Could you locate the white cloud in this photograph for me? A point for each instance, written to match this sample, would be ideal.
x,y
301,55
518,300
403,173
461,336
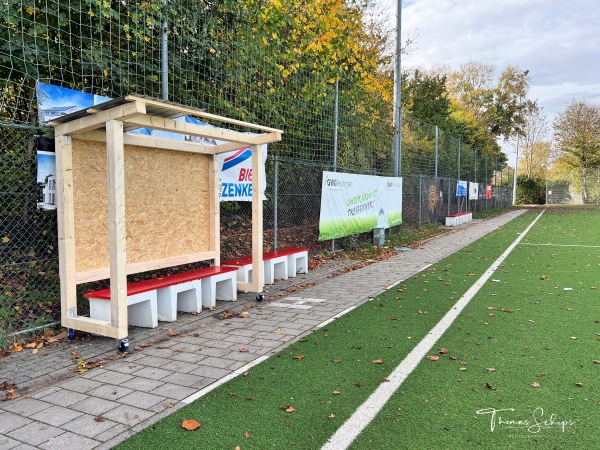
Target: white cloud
x,y
557,41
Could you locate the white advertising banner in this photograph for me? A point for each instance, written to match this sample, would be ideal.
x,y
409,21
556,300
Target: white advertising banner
x,y
473,191
236,175
352,204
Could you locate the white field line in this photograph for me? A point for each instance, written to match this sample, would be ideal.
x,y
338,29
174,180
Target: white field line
x,y
561,245
366,412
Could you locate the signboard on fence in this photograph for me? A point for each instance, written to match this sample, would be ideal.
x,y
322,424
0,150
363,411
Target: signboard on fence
x,y
352,204
488,191
473,191
236,175
461,188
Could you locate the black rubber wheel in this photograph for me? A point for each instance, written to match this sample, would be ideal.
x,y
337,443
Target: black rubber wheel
x,y
260,297
71,333
123,345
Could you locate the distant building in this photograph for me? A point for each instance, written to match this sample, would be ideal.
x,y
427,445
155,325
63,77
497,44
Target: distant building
x,y
57,111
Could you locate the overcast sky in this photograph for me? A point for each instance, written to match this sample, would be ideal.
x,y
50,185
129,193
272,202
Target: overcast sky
x,y
557,41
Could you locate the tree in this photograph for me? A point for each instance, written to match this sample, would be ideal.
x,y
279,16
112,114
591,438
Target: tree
x,y
499,108
535,150
426,97
577,135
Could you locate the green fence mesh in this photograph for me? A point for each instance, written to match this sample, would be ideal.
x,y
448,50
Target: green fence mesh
x,y
204,54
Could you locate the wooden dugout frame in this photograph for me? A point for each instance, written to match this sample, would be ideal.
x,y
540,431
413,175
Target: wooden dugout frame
x,y
108,123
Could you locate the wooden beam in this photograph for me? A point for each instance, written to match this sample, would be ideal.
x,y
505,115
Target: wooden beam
x,y
152,142
94,326
165,124
103,274
66,226
200,113
115,153
98,119
258,278
214,212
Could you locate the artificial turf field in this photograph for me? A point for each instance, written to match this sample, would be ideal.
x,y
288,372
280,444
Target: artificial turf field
x,y
526,346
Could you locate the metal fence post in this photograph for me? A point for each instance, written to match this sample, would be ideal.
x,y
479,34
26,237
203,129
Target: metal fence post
x,y
164,53
420,200
275,200
335,139
458,160
437,140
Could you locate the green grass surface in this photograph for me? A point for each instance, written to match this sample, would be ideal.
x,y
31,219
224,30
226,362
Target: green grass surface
x,y
549,335
436,406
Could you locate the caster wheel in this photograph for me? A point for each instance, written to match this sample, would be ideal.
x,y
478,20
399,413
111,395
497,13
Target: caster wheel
x,y
123,345
260,297
71,333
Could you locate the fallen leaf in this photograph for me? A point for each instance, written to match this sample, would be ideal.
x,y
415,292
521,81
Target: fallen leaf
x,y
541,374
16,348
336,392
232,394
508,310
246,374
249,398
34,351
190,424
491,369
489,386
574,338
579,384
288,409
100,419
336,361
384,380
247,434
377,361
535,384
597,361
491,308
442,351
331,416
433,357
299,357
243,350
31,345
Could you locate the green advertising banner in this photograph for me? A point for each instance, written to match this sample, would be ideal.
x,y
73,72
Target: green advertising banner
x,y
352,204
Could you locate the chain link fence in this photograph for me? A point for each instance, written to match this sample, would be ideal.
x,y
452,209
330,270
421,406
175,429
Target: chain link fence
x,y
206,55
576,187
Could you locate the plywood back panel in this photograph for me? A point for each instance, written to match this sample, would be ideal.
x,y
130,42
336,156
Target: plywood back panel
x,y
166,204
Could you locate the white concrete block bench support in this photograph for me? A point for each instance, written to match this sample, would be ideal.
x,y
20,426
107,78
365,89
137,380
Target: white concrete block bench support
x,y
141,309
458,219
278,264
187,291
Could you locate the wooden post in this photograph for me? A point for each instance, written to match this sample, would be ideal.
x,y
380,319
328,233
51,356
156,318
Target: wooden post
x,y
66,227
215,209
258,278
116,225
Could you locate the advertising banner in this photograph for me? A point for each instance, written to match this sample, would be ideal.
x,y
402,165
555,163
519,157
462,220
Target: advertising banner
x,y
236,175
473,191
488,191
352,204
461,188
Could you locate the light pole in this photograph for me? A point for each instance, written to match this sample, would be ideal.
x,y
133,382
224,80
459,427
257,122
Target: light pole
x,y
514,201
397,144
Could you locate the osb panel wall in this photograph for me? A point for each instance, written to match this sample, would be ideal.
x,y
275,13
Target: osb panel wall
x,y
166,204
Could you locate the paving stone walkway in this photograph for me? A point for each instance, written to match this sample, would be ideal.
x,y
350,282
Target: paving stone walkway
x,y
173,364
